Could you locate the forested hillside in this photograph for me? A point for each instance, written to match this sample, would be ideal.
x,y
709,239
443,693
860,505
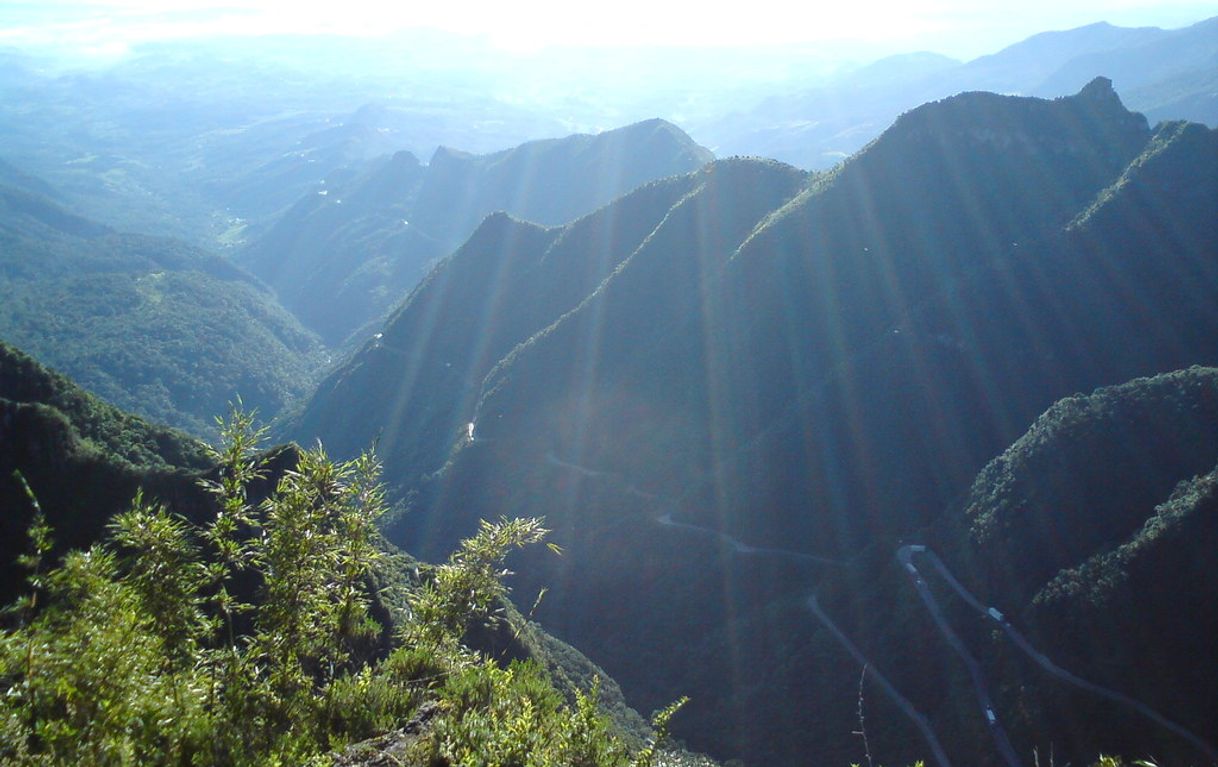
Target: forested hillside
x,y
154,325
140,567
352,249
804,369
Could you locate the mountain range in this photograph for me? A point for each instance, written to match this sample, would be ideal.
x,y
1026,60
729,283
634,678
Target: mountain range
x,y
732,389
349,251
1166,74
917,446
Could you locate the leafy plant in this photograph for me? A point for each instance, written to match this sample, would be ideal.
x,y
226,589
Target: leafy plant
x,y
249,640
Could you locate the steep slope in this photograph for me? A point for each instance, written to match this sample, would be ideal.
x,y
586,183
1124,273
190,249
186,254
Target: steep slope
x,y
550,182
906,235
784,377
415,386
1089,537
82,458
1098,526
346,254
157,326
343,254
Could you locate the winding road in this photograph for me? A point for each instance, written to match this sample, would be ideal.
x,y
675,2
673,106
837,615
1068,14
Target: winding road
x,y
743,548
666,519
905,557
917,717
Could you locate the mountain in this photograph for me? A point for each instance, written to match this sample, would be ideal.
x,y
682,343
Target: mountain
x,y
157,326
1085,538
500,291
1168,74
762,380
1094,526
345,254
550,182
83,459
276,184
812,296
1042,56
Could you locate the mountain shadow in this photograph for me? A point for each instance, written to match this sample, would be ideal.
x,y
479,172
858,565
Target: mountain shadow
x,y
774,378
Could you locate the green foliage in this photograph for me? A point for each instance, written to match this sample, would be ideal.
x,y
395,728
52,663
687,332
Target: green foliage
x,y
84,460
123,437
514,717
647,757
249,640
153,325
469,585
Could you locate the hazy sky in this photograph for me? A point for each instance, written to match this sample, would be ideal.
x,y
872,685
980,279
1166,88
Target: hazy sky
x,y
961,28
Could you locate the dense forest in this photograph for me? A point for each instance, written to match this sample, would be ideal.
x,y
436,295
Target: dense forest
x,y
169,602
334,419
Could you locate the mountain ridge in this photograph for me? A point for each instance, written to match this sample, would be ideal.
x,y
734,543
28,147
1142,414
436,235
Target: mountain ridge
x,y
815,364
1164,73
376,234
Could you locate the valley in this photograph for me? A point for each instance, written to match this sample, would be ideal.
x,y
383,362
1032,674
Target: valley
x,y
871,405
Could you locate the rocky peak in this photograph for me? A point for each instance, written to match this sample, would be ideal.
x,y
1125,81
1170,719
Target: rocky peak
x,y
1099,90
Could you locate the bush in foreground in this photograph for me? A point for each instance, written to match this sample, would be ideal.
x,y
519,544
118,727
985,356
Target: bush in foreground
x,y
248,640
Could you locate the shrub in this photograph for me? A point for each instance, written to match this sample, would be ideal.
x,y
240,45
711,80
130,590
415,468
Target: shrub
x,y
248,640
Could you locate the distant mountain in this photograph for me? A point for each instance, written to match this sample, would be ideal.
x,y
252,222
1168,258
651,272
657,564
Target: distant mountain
x,y
22,181
550,182
346,252
201,140
151,324
1042,56
904,67
274,185
349,251
1168,74
759,381
1171,78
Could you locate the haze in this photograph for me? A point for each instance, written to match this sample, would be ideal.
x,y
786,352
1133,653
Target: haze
x,y
956,28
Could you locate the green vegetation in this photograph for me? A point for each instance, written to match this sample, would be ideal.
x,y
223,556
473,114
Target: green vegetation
x,y
123,437
84,460
153,325
343,256
251,639
824,364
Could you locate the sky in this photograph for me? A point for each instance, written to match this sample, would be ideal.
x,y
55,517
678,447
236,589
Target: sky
x,y
960,28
